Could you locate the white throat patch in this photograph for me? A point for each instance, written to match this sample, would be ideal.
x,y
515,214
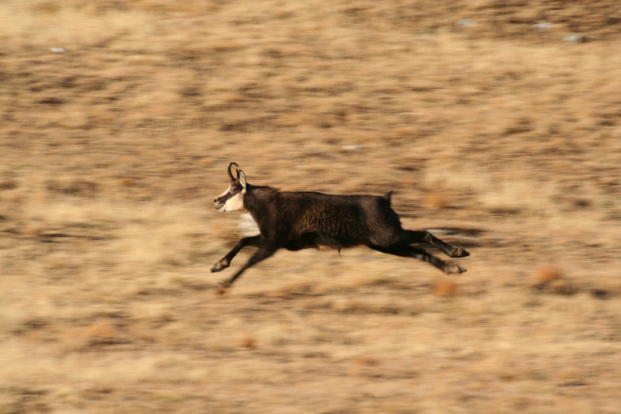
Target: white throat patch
x,y
247,226
234,203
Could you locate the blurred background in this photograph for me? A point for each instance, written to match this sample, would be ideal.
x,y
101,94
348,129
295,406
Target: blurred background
x,y
496,121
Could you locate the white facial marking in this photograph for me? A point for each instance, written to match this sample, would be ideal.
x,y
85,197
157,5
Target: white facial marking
x,y
234,203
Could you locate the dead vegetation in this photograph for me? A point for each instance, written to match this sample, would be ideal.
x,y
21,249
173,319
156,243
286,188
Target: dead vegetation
x,y
118,120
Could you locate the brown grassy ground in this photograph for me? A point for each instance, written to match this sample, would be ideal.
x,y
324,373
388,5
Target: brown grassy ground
x,y
112,151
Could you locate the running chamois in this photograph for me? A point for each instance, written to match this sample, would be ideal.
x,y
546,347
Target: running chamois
x,y
296,220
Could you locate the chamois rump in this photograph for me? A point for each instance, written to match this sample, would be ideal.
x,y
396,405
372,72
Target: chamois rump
x,y
296,220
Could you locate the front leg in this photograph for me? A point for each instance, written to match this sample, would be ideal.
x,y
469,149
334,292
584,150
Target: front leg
x,y
226,260
263,253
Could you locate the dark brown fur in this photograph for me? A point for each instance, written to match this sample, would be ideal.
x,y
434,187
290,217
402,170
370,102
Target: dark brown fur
x,y
300,220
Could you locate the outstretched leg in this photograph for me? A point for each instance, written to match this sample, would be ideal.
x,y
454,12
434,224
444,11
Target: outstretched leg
x,y
408,251
423,236
226,260
263,253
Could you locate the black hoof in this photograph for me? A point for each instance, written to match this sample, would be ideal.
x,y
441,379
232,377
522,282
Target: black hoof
x,y
218,267
454,269
459,252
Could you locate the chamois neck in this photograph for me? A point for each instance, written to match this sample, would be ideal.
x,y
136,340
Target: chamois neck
x,y
257,197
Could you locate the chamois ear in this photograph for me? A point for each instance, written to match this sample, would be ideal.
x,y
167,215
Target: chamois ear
x,y
242,178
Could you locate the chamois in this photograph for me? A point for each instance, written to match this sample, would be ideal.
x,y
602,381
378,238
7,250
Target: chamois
x,y
302,219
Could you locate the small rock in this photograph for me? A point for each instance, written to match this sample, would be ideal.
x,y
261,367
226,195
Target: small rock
x,y
58,50
544,25
466,23
575,38
354,147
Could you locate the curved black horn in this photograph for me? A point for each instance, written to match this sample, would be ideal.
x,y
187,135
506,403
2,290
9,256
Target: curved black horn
x,y
231,165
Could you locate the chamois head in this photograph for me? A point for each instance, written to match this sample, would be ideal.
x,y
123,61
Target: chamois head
x,y
233,198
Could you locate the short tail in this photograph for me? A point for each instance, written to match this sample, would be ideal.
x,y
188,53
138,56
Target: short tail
x,y
388,196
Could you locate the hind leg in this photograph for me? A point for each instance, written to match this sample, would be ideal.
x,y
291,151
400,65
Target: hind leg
x,y
408,251
423,236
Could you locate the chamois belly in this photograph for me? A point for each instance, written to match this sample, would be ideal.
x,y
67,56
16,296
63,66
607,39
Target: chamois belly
x,y
319,241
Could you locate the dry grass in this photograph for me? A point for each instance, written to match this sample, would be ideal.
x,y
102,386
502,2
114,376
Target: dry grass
x,y
113,148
